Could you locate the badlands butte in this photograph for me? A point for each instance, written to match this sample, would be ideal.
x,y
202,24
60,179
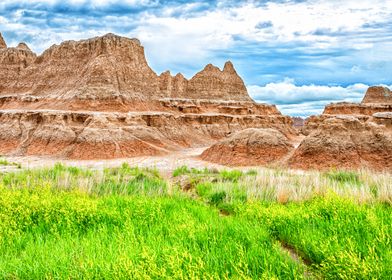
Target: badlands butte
x,y
99,99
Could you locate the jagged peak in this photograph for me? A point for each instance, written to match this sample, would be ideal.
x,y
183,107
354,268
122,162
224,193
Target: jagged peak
x,y
165,73
229,67
210,67
23,46
109,37
179,76
112,36
378,94
3,44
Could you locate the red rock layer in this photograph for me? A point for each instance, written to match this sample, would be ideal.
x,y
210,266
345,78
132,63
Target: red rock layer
x,y
346,142
112,135
98,98
249,147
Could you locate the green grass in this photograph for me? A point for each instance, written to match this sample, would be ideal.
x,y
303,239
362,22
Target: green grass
x,y
344,177
51,234
130,223
5,162
340,238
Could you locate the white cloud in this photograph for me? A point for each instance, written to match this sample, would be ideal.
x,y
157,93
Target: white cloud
x,y
305,100
181,36
314,22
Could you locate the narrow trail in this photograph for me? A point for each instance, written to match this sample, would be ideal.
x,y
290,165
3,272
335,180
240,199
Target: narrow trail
x,y
305,263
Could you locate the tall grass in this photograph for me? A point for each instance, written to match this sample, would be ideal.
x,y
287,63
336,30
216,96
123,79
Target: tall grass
x,y
285,186
71,235
109,181
130,223
339,237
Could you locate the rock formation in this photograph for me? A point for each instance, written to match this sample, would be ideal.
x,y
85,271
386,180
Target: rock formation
x,y
349,135
378,95
377,99
98,98
3,45
298,122
249,147
347,142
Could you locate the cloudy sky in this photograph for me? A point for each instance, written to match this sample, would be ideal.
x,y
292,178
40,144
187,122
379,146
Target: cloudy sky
x,y
299,54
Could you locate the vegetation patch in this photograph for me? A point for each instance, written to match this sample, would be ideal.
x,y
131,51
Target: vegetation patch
x,y
130,223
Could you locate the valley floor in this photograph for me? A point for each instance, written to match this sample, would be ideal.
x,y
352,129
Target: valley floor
x,y
67,222
165,163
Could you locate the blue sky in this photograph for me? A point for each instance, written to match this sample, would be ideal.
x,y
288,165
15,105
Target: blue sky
x,y
298,54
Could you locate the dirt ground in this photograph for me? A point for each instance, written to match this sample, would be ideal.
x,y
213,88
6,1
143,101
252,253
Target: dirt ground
x,y
166,163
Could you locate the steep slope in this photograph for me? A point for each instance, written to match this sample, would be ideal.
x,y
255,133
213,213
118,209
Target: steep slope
x,y
378,95
249,147
347,142
98,98
349,135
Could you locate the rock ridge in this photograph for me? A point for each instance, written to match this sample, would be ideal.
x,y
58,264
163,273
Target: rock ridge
x,y
99,99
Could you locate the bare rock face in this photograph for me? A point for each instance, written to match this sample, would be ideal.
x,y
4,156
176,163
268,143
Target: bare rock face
x,y
211,82
376,99
249,147
13,61
3,45
378,95
349,135
346,142
298,122
114,68
99,98
100,68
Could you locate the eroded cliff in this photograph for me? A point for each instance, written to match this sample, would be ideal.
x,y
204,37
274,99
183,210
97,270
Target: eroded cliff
x,y
99,98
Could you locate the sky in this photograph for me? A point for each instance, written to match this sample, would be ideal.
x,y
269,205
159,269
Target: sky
x,y
298,54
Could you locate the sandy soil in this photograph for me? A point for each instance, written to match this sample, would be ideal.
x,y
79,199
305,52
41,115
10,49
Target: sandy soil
x,y
165,164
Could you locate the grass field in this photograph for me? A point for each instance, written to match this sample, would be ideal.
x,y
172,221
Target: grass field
x,y
129,223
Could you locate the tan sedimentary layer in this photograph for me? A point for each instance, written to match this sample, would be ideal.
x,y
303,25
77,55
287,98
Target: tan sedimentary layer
x,y
347,142
75,134
98,98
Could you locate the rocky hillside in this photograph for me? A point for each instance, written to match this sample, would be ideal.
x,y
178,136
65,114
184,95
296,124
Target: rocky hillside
x,y
349,135
99,98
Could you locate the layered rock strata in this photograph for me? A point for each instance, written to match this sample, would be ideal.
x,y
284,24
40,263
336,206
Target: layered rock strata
x,y
249,147
349,142
98,98
349,135
376,99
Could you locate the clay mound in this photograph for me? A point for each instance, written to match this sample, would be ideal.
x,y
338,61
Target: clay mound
x,y
378,94
249,147
346,142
